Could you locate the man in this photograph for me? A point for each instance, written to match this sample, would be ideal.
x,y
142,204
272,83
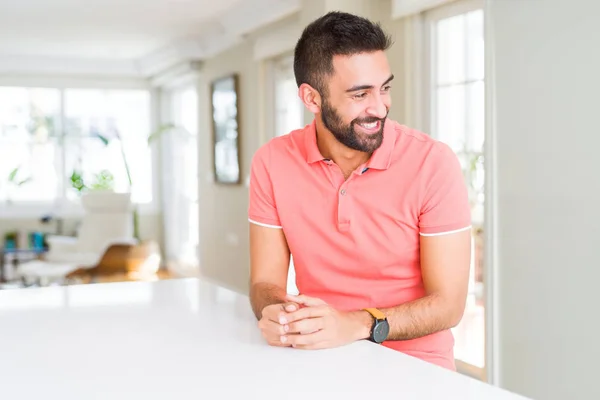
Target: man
x,y
375,214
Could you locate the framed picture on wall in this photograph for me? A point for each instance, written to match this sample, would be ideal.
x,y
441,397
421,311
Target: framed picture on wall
x,y
224,100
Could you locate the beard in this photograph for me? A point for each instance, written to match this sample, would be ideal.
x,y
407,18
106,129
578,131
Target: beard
x,y
347,135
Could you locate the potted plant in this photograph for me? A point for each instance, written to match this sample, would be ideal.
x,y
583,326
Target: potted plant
x,y
156,135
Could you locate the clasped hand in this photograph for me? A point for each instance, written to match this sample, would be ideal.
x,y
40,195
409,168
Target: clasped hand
x,y
310,323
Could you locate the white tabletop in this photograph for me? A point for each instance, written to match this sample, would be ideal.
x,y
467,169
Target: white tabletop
x,y
189,339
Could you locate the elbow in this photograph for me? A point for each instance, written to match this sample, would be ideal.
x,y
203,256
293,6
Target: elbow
x,y
454,319
455,311
450,310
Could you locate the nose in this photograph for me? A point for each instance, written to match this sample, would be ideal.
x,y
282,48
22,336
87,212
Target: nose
x,y
378,107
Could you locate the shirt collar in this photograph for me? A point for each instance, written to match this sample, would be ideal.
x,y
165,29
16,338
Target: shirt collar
x,y
310,144
381,158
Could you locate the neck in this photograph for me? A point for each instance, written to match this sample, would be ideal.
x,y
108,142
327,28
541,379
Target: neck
x,y
346,158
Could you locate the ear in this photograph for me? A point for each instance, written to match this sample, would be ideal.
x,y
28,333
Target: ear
x,y
310,97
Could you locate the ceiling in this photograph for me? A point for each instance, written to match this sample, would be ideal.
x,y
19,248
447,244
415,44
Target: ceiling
x,y
137,36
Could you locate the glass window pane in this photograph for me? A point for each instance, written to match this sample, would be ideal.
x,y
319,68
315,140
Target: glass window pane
x,y
475,44
29,152
469,334
450,50
450,116
476,116
186,115
458,120
87,158
192,237
121,116
289,109
289,115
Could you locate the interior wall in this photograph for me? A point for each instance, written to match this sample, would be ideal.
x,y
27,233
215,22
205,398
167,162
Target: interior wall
x,y
546,83
223,208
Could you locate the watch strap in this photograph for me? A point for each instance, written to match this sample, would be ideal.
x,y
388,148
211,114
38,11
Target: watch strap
x,y
376,313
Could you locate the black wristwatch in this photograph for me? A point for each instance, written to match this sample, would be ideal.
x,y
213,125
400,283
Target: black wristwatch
x,y
380,328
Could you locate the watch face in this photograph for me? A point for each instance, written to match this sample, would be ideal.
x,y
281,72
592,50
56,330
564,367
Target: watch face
x,y
381,331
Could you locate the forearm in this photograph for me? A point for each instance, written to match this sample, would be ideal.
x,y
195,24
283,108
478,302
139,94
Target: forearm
x,y
264,294
422,317
416,318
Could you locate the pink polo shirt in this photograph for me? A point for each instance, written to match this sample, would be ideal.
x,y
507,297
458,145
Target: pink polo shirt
x,y
355,242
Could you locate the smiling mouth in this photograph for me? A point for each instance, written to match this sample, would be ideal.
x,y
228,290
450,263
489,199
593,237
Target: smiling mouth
x,y
371,127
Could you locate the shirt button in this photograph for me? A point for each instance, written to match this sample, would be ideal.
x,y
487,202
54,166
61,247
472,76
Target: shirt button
x,y
343,192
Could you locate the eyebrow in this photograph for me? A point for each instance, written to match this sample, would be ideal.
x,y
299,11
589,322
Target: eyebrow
x,y
366,87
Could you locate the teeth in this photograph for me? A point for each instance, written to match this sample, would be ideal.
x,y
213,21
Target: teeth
x,y
370,126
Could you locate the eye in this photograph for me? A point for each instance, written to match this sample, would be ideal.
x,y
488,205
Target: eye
x,y
386,88
359,96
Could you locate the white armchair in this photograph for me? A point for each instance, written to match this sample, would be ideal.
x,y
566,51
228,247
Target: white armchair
x,y
107,220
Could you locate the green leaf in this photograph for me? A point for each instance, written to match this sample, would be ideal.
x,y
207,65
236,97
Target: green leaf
x,y
77,181
104,181
13,174
103,138
24,181
159,132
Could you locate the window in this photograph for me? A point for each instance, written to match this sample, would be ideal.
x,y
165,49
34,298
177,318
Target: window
x,y
30,155
59,138
122,117
455,100
289,110
180,179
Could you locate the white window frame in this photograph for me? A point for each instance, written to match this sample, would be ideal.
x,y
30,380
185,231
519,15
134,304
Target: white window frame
x,y
273,66
420,46
68,208
168,95
405,8
273,69
428,61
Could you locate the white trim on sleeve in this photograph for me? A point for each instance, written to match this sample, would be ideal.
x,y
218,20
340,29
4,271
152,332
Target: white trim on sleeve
x,y
445,233
265,225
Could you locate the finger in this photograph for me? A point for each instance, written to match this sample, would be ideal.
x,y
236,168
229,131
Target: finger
x,y
290,307
304,313
305,326
274,328
276,342
305,340
276,312
273,332
285,309
305,300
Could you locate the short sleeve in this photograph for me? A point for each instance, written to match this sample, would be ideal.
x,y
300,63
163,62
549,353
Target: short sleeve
x,y
261,204
445,207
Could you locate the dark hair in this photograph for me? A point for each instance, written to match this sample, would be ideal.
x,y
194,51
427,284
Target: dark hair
x,y
335,33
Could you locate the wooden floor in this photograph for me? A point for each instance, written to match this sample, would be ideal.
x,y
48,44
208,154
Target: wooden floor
x,y
160,275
